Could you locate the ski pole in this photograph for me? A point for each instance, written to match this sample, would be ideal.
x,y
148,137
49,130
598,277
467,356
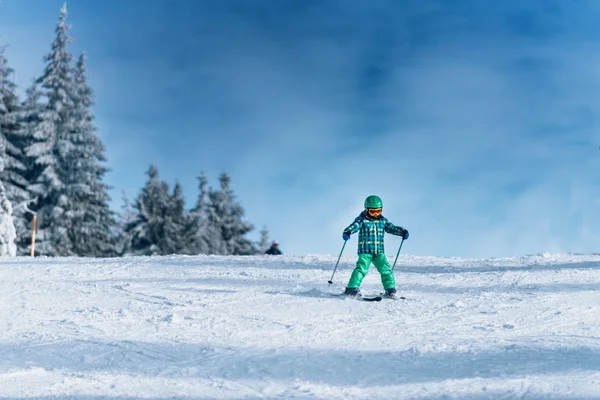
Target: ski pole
x,y
397,254
336,264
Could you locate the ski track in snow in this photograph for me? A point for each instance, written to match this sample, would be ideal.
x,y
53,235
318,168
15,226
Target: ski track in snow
x,y
215,327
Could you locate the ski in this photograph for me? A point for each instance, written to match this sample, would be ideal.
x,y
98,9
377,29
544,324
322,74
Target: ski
x,y
375,298
394,297
360,298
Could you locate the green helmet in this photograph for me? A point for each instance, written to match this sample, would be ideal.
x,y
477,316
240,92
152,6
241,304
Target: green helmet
x,y
373,202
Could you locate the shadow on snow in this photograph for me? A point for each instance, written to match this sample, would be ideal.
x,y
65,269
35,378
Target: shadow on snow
x,y
331,367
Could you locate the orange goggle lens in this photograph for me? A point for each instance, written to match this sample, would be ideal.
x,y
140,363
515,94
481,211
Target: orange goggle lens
x,y
374,211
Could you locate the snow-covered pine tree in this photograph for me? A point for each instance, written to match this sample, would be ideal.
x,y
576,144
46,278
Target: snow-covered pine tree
x,y
8,235
225,215
92,220
52,145
30,120
147,230
199,215
179,230
263,243
126,216
217,207
14,176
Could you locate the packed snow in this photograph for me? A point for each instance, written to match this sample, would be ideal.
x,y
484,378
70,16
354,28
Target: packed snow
x,y
266,327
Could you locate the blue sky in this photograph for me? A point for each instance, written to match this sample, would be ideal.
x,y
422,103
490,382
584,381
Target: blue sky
x,y
476,121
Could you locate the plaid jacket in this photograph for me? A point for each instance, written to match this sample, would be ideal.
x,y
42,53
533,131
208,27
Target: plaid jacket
x,y
370,232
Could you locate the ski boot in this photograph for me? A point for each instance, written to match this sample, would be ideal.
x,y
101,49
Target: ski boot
x,y
354,292
391,294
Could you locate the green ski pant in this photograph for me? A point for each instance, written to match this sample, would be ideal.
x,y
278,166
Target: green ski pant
x,y
362,267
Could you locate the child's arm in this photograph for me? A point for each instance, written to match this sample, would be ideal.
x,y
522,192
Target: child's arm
x,y
355,226
396,230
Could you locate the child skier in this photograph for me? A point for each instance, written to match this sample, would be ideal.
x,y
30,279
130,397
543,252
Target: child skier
x,y
371,225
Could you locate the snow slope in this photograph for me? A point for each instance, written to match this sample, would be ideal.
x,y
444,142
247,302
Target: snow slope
x,y
261,327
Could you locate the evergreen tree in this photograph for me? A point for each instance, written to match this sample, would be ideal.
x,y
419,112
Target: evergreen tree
x,y
147,230
225,216
126,216
263,244
199,220
30,120
92,221
14,175
8,234
180,229
52,145
217,206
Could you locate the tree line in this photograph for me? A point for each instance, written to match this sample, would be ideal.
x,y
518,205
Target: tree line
x,y
52,166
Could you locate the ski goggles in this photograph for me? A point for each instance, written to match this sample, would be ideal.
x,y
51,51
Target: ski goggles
x,y
374,212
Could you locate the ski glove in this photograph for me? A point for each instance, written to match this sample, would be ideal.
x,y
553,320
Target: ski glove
x,y
405,234
346,235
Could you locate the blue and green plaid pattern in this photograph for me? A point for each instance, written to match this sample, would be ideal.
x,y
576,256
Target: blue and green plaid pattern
x,y
371,231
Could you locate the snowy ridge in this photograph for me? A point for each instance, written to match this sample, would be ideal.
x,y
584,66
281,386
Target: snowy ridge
x,y
216,327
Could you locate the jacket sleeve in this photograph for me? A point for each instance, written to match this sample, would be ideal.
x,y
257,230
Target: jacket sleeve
x,y
393,229
355,226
